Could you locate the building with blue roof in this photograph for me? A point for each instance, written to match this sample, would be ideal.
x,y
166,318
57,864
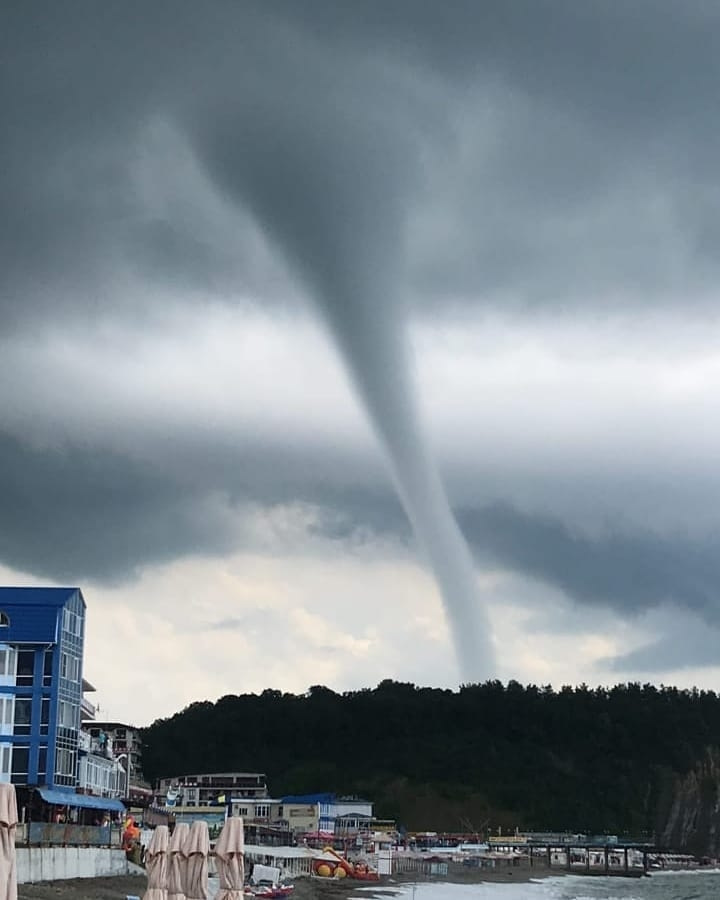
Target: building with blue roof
x,y
42,632
320,812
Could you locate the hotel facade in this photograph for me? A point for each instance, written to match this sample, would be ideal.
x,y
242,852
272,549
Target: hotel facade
x,y
42,633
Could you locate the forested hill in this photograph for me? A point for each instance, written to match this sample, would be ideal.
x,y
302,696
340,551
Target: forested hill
x,y
591,760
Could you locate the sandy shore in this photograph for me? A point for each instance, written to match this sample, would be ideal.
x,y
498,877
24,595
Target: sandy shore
x,y
116,888
122,886
317,889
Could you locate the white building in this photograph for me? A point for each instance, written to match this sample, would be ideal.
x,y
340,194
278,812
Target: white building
x,y
100,771
319,813
206,789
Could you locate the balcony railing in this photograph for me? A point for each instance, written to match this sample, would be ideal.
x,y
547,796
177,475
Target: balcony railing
x,y
44,833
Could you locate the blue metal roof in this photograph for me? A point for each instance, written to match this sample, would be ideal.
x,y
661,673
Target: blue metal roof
x,y
33,613
308,799
37,596
86,801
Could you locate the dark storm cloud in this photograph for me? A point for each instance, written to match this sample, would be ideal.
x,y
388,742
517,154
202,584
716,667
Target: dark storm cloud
x,y
621,570
75,513
72,513
682,648
627,571
589,138
550,153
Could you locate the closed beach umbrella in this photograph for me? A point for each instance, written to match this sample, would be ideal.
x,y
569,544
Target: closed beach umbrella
x,y
195,850
177,862
229,860
8,825
156,863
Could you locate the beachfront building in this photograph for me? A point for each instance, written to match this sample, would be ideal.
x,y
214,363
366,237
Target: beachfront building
x,y
42,632
301,812
126,744
210,789
318,816
100,772
349,812
259,810
211,796
355,828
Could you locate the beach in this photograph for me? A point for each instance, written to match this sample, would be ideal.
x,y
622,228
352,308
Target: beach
x,y
457,885
121,886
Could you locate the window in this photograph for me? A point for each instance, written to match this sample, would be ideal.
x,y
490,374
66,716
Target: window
x,y
44,715
64,762
20,761
25,667
5,762
23,715
67,714
47,668
72,623
7,713
8,663
69,667
4,620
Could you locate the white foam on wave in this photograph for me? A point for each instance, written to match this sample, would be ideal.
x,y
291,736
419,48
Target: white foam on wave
x,y
560,887
542,889
673,873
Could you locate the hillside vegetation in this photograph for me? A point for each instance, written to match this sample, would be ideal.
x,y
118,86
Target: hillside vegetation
x,y
603,760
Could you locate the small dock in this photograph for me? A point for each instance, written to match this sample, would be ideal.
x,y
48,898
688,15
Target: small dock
x,y
627,860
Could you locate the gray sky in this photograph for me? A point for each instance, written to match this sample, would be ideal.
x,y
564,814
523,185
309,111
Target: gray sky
x,y
241,242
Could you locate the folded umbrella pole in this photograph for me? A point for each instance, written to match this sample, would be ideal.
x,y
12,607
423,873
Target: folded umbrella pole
x,y
156,863
177,862
229,860
8,826
195,849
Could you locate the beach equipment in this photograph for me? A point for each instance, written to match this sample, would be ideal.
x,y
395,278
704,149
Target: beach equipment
x,y
195,850
265,883
8,826
229,860
177,862
156,863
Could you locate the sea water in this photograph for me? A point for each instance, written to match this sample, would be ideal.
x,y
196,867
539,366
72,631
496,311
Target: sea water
x,y
692,885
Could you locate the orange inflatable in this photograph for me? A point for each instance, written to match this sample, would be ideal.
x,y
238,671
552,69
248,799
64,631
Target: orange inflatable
x,y
343,868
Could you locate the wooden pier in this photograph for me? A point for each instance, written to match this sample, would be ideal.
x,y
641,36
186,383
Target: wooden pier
x,y
628,860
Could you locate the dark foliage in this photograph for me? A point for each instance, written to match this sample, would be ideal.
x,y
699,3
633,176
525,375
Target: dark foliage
x,y
593,760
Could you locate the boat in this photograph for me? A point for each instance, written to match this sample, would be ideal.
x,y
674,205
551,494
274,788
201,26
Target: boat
x,y
269,891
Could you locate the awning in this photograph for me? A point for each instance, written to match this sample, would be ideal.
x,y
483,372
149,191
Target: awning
x,y
85,801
